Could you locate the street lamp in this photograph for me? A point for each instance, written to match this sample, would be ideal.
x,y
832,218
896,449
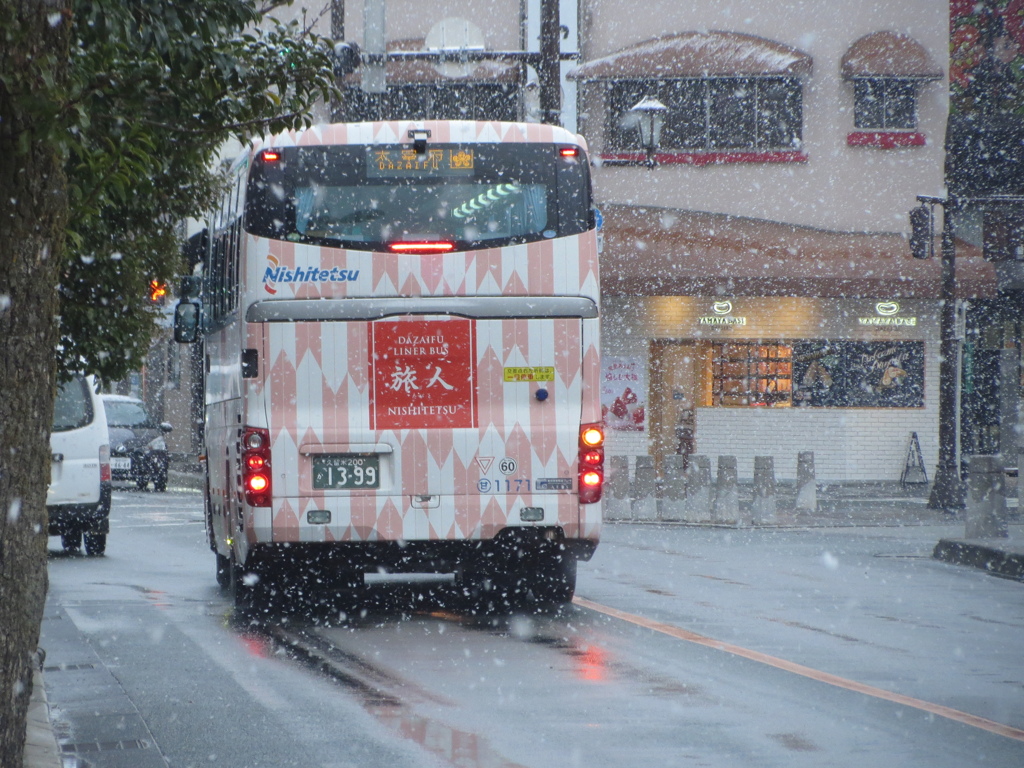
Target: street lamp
x,y
948,490
650,118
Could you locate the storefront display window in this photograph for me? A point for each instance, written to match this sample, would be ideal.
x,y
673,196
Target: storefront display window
x,y
750,374
815,373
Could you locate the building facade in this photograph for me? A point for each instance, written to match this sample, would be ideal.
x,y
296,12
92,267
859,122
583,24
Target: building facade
x,y
759,293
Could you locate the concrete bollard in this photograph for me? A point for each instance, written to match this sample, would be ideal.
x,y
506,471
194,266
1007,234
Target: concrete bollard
x,y
986,499
806,486
764,507
643,500
726,508
673,488
615,499
697,506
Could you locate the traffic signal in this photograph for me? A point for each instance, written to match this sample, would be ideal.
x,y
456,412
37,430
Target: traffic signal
x,y
921,232
346,58
157,291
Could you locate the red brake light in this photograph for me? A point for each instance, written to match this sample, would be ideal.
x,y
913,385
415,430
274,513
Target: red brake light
x,y
255,467
433,246
569,152
257,483
591,479
271,155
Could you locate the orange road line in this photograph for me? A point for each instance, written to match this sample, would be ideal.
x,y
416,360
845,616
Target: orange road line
x,y
799,669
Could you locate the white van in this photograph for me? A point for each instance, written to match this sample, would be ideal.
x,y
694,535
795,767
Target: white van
x,y
78,500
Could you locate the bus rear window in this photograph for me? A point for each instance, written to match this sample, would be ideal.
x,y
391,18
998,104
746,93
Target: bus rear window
x,y
364,197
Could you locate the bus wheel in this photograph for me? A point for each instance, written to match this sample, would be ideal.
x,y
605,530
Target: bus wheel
x,y
556,577
223,571
244,586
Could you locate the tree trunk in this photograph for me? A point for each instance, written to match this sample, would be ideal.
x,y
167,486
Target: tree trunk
x,y
34,38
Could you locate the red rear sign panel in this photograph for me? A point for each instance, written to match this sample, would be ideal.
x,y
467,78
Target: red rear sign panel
x,y
423,374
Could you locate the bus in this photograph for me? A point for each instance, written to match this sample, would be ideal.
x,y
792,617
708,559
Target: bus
x,y
401,342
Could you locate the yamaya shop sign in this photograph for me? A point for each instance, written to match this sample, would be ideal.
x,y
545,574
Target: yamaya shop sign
x,y
887,315
722,315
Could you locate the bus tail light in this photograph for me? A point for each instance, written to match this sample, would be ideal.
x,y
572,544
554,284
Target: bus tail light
x,y
256,467
591,463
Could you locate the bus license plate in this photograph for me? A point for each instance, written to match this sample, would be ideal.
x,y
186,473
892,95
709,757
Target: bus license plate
x,y
345,471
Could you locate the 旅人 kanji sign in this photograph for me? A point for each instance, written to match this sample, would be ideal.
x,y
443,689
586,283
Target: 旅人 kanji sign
x,y
423,374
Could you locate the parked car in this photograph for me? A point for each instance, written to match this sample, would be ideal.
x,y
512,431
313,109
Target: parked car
x,y
78,499
138,452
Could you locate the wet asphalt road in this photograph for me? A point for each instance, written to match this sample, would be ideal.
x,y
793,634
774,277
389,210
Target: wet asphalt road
x,y
688,646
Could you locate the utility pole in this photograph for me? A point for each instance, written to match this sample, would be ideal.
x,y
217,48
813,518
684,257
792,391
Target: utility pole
x,y
374,47
948,490
549,67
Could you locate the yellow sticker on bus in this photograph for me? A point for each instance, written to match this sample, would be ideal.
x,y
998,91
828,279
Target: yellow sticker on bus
x,y
540,373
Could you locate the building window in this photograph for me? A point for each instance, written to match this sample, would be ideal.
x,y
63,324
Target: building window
x,y
721,113
750,374
885,103
430,101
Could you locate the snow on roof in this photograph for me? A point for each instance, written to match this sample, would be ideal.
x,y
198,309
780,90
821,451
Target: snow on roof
x,y
654,251
698,54
888,53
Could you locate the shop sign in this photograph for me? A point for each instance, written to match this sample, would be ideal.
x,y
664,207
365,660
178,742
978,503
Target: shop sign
x,y
722,315
887,316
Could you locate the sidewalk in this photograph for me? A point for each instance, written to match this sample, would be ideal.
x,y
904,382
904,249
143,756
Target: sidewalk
x,y
117,730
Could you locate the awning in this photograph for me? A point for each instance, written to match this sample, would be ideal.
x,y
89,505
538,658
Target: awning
x,y
698,54
650,251
888,54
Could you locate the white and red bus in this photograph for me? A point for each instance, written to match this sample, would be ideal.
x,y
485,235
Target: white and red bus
x,y
402,359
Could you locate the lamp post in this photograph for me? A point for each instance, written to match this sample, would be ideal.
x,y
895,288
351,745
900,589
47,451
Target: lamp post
x,y
650,118
948,490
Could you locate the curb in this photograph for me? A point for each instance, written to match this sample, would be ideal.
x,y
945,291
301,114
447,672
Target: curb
x,y
995,558
41,750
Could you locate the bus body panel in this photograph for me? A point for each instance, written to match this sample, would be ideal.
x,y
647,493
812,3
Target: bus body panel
x,y
512,451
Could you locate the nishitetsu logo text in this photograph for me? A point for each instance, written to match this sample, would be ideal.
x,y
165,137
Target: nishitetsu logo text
x,y
277,274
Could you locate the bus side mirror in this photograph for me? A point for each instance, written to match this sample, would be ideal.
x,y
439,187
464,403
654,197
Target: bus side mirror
x,y
187,316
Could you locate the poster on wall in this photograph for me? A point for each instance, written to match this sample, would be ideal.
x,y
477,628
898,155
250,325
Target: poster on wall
x,y
623,393
858,374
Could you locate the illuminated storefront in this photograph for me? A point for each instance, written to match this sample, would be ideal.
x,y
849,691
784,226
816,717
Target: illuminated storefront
x,y
799,350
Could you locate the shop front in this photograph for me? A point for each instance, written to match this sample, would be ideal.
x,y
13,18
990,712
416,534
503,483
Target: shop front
x,y
850,379
732,343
